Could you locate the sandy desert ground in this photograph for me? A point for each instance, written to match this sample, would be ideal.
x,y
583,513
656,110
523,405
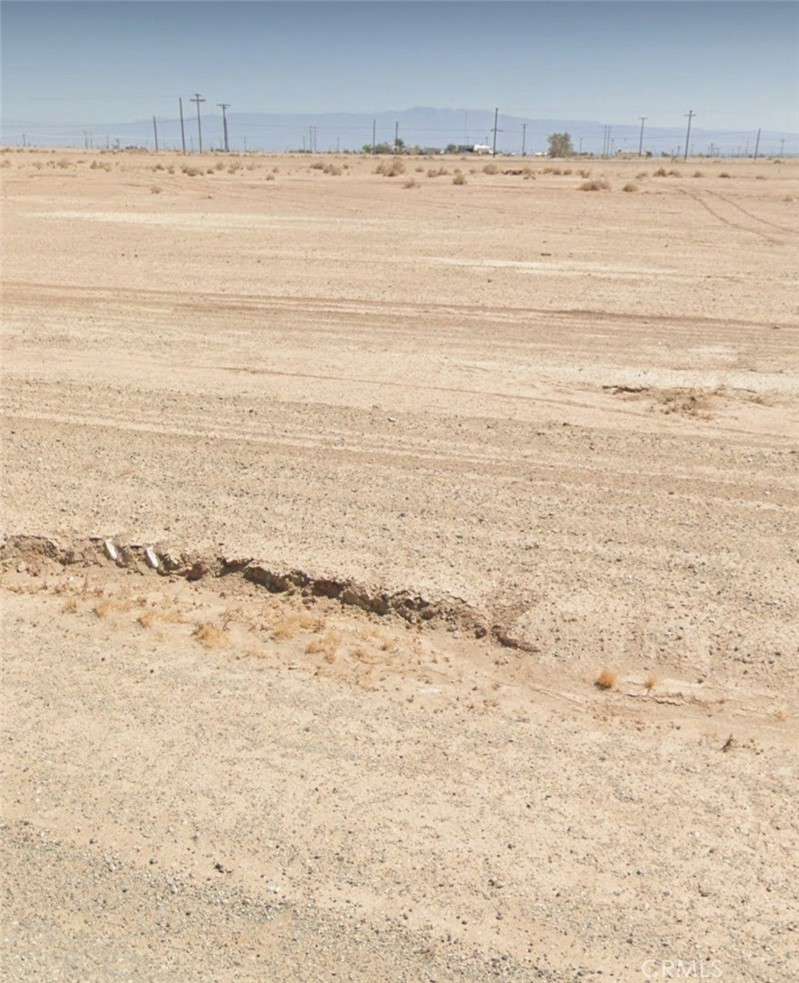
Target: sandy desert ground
x,y
417,461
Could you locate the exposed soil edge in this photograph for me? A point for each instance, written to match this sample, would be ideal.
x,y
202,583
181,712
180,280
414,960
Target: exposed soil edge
x,y
407,604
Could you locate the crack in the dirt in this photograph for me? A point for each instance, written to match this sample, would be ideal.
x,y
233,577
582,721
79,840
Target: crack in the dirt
x,y
409,605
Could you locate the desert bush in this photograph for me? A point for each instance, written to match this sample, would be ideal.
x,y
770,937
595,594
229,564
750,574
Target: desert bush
x,y
673,173
410,183
332,169
390,168
584,172
697,174
459,178
529,174
270,177
661,172
566,171
155,189
606,679
317,166
190,171
640,175
630,187
597,184
490,168
725,174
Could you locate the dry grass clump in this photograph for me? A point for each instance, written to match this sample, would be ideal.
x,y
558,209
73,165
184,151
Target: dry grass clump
x,y
650,682
529,174
629,187
661,172
155,189
584,172
490,168
697,174
607,679
640,175
190,171
70,606
437,172
597,184
210,636
391,168
673,173
410,183
725,174
459,178
270,177
326,645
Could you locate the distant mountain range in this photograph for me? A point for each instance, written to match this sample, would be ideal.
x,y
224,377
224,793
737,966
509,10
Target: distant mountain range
x,y
422,127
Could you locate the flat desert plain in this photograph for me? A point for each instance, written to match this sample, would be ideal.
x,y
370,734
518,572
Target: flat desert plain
x,y
399,575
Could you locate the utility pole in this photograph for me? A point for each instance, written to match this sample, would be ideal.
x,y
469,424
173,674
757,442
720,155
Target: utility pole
x,y
224,106
524,137
782,146
24,140
198,99
690,114
580,151
85,140
641,140
374,131
757,144
182,128
155,133
396,137
494,145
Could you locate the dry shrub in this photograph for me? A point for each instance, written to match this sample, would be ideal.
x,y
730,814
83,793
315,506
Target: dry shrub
x,y
190,171
597,184
147,619
155,189
725,174
650,682
220,165
327,645
210,636
567,171
270,177
490,169
584,172
437,172
390,168
607,679
70,606
697,174
661,172
459,179
630,187
410,183
640,175
102,609
673,173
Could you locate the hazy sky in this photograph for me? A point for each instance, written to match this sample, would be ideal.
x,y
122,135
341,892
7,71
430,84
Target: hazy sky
x,y
734,63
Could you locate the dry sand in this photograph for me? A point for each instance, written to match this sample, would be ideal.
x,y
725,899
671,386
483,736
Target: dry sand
x,y
418,463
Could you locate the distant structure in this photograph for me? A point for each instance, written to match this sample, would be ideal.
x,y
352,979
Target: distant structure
x,y
474,148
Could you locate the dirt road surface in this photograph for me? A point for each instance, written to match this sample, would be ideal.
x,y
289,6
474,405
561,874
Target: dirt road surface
x,y
416,463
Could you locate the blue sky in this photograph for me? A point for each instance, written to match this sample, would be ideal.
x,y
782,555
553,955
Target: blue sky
x,y
734,63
